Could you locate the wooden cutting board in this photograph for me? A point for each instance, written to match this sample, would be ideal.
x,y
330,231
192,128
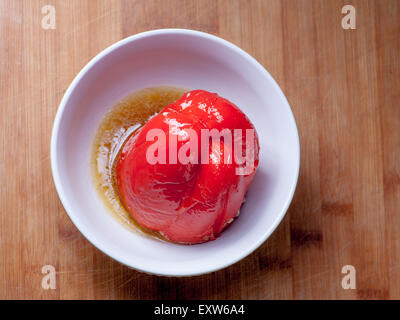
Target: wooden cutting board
x,y
342,84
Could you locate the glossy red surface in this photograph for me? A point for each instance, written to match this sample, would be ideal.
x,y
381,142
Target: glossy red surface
x,y
193,202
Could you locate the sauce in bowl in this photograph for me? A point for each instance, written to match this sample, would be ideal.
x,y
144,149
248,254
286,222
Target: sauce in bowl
x,y
123,119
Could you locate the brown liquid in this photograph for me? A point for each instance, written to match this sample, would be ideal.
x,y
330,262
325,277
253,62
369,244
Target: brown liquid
x,y
124,118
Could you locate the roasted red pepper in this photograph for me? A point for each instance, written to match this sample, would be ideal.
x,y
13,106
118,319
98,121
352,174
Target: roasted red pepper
x,y
187,202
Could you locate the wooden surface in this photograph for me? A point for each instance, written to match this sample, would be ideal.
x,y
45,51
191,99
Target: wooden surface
x,y
344,89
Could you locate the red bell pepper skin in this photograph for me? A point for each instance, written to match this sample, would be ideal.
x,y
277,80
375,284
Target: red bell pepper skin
x,y
187,203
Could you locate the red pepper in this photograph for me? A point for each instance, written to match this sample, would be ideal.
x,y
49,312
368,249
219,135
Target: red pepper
x,y
192,202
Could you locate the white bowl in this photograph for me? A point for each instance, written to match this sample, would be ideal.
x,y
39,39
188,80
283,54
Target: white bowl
x,y
192,60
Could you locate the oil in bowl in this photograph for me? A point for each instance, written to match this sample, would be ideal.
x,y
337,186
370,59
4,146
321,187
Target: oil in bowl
x,y
123,119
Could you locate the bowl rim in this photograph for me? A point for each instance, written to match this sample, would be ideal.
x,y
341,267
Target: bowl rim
x,y
203,269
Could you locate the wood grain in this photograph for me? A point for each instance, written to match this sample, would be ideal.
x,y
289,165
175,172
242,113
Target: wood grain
x,y
344,89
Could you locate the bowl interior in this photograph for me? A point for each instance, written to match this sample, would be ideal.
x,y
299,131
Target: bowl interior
x,y
191,60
